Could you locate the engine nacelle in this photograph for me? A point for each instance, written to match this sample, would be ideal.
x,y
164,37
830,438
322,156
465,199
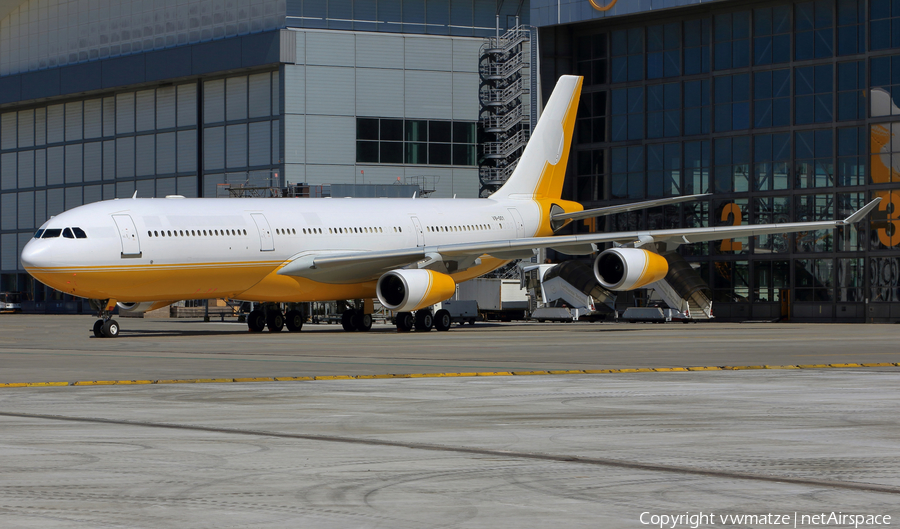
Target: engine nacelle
x,y
629,268
144,306
408,290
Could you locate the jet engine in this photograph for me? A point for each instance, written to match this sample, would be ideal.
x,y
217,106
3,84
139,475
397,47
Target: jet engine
x,y
629,268
144,306
408,290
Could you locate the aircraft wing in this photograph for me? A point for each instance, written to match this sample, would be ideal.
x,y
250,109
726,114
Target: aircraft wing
x,y
340,267
623,208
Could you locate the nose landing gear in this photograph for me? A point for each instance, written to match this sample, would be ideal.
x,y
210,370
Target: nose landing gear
x,y
105,327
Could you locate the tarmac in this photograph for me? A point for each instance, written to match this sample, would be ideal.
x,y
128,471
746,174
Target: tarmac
x,y
611,449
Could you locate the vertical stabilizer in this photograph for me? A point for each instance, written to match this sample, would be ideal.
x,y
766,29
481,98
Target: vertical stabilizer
x,y
541,170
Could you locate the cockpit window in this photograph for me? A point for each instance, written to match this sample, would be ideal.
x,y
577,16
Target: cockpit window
x,y
67,233
51,233
37,234
79,233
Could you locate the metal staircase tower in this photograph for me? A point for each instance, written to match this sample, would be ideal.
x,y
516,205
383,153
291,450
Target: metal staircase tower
x,y
509,73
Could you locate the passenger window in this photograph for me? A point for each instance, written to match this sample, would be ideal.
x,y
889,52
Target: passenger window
x,y
67,233
79,233
51,234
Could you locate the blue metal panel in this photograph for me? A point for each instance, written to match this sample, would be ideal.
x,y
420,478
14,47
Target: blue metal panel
x,y
260,49
216,56
44,83
81,77
122,71
10,89
168,64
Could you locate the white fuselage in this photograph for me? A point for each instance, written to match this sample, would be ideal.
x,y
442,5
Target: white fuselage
x,y
199,248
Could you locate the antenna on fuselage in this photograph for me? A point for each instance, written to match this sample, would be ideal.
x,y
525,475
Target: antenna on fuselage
x,y
135,194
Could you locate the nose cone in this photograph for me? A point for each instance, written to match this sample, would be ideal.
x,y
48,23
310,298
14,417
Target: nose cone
x,y
34,255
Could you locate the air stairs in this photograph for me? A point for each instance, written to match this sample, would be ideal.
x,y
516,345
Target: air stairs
x,y
508,71
683,289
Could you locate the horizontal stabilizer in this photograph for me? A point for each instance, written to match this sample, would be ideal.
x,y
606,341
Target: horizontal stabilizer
x,y
622,208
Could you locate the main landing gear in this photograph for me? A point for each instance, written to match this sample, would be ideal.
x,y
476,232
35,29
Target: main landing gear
x,y
105,327
274,320
423,320
356,320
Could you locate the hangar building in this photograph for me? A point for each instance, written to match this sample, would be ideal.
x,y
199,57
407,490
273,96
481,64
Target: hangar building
x,y
783,110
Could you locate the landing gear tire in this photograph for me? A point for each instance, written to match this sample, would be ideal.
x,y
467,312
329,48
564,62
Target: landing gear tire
x,y
442,320
347,319
362,322
405,321
256,321
110,329
275,321
98,329
293,320
424,320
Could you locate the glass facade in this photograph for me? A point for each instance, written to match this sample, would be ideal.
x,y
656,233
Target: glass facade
x,y
58,156
785,111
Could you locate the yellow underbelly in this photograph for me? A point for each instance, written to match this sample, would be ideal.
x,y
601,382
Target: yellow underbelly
x,y
246,281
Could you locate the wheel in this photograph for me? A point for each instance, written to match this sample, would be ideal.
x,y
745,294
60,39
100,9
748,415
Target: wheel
x,y
256,321
362,322
347,319
294,320
110,328
424,320
98,329
405,321
442,320
275,321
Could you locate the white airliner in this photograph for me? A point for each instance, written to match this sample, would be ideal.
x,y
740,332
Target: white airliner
x,y
410,253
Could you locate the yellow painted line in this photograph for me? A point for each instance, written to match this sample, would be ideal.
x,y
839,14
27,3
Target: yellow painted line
x,y
436,375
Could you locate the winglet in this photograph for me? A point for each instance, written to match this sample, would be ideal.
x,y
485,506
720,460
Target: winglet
x,y
861,214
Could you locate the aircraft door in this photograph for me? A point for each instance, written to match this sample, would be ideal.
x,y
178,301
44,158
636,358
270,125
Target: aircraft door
x,y
131,245
420,234
266,240
520,224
